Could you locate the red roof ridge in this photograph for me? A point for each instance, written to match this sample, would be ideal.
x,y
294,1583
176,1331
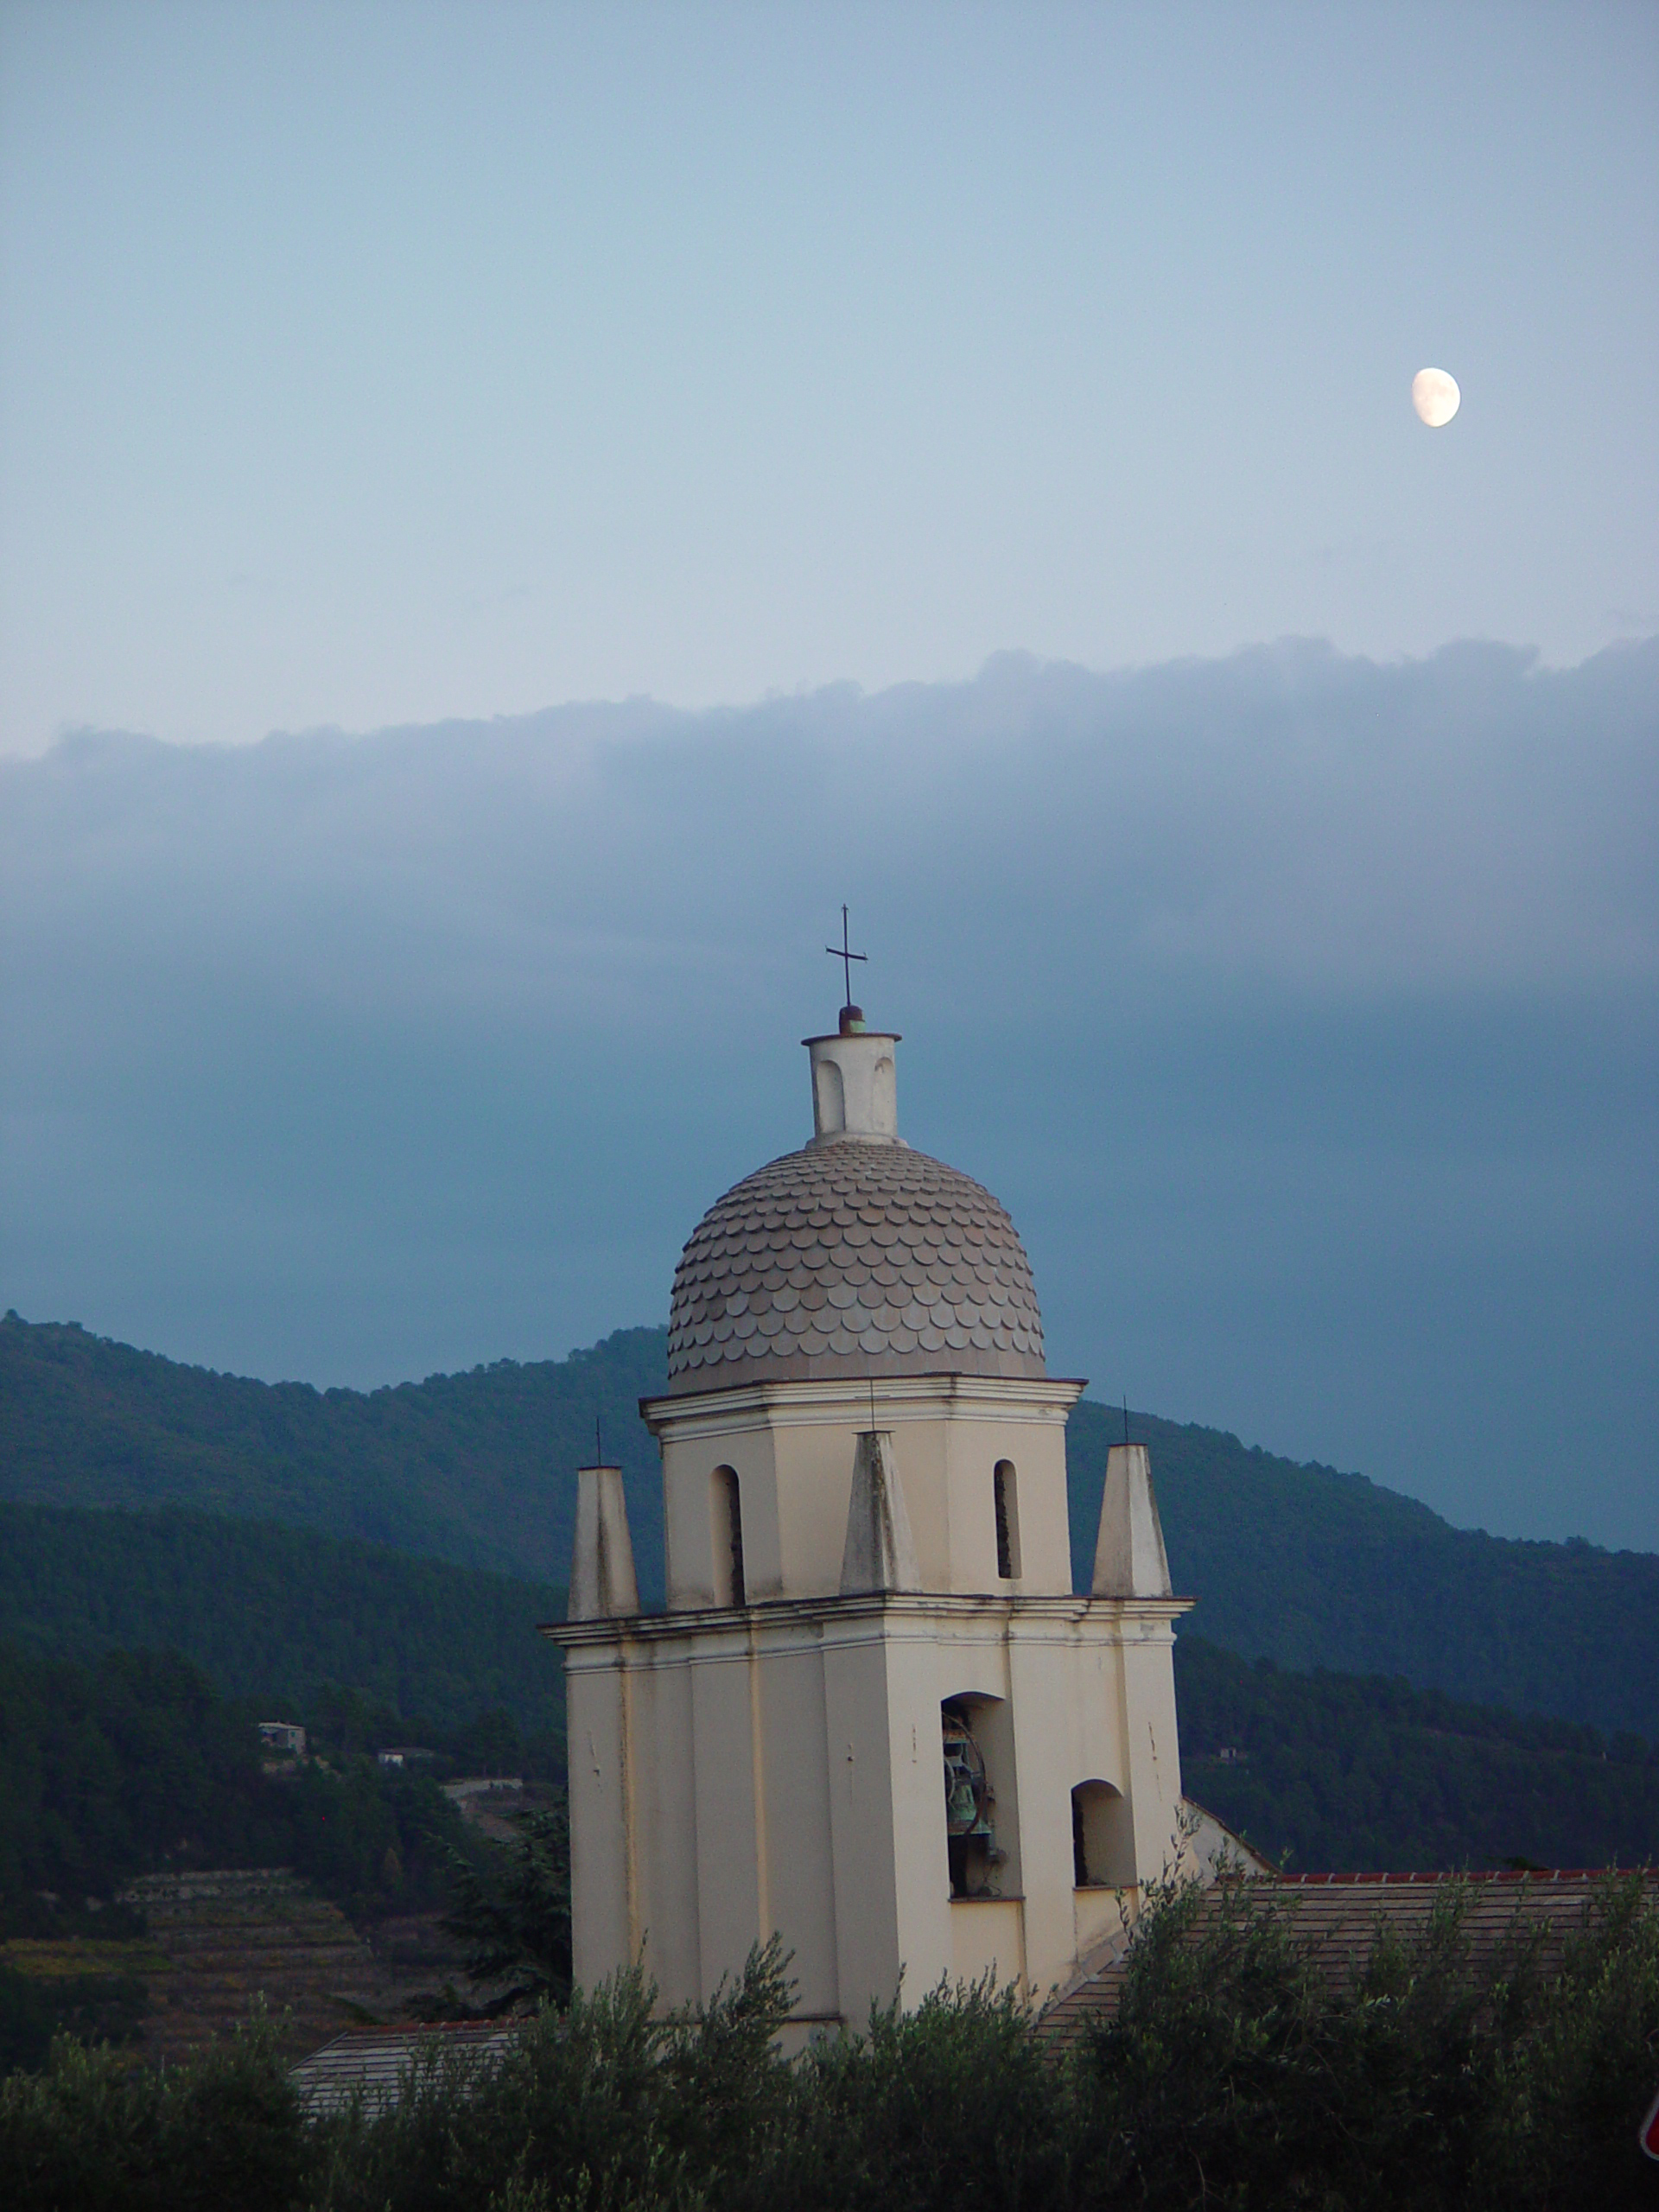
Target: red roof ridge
x,y
1460,1874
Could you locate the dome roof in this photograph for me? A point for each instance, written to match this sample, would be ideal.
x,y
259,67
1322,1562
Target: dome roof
x,y
852,1258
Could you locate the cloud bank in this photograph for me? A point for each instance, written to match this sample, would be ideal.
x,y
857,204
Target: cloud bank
x,y
1301,1009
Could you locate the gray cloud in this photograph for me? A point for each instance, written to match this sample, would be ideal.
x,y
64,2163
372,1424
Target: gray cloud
x,y
1301,1008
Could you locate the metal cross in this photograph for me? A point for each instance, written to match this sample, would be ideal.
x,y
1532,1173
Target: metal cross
x,y
839,952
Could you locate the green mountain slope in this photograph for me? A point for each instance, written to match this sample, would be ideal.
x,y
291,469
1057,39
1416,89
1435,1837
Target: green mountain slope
x,y
277,1613
1301,1564
1343,1773
475,1468
1314,1568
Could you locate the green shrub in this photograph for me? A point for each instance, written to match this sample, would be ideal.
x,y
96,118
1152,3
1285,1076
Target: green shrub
x,y
1234,2074
94,2133
601,2107
957,2104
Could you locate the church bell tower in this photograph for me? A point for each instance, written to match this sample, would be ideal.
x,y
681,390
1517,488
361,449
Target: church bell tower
x,y
874,1719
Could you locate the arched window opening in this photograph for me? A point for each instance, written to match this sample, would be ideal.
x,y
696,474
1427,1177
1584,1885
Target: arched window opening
x,y
1102,1839
726,1504
829,1097
1005,1487
975,1862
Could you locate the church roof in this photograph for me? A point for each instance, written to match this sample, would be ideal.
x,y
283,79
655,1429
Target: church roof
x,y
1339,1916
378,2064
852,1257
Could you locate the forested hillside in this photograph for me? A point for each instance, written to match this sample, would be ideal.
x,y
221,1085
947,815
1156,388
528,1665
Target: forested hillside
x,y
280,1613
1314,1568
134,1761
477,1468
1344,1772
1301,1564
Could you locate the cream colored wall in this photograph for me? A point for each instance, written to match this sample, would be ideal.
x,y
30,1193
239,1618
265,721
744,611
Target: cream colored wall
x,y
792,1445
854,1086
666,1823
973,1446
602,1818
985,1936
1154,1761
687,1526
867,1842
1050,1678
1101,1917
779,1769
797,1776
733,1906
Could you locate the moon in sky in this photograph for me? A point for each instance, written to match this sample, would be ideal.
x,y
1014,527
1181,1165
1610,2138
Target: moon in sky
x,y
1435,395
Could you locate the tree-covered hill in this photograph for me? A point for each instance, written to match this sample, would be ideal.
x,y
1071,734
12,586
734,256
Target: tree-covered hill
x,y
476,1468
1344,1770
133,1763
1301,1564
281,1613
1349,1772
1314,1568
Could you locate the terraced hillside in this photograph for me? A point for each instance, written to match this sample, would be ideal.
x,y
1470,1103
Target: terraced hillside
x,y
219,1942
227,1939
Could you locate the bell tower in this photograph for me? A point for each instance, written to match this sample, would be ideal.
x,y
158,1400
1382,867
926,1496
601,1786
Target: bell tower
x,y
874,1719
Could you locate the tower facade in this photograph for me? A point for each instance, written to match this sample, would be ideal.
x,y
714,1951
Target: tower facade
x,y
874,1719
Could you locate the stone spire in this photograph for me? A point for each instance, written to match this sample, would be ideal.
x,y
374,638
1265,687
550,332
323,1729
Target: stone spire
x,y
602,1583
880,1554
1129,1557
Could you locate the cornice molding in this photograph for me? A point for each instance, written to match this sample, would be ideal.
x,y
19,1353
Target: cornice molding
x,y
898,1399
898,1614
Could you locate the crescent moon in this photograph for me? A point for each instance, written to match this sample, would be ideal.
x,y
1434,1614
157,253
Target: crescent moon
x,y
1436,397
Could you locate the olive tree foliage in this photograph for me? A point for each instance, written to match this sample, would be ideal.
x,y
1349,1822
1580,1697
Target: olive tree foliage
x,y
958,2103
95,2132
1232,2074
605,2107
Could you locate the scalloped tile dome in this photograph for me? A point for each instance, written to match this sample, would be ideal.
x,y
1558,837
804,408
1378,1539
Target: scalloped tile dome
x,y
851,1259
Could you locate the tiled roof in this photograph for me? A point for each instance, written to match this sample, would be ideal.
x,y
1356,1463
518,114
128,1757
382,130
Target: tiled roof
x,y
1338,1917
377,2060
857,1257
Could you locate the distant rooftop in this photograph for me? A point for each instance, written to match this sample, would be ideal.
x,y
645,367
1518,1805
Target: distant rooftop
x,y
376,2062
1339,1916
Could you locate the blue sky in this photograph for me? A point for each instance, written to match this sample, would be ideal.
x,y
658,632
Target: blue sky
x,y
374,365
970,452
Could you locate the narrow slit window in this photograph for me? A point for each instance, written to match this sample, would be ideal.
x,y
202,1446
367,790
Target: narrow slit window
x,y
728,1538
1006,1497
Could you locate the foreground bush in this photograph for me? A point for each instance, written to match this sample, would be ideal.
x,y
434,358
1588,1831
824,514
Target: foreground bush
x,y
601,2107
957,2104
1233,2076
95,2132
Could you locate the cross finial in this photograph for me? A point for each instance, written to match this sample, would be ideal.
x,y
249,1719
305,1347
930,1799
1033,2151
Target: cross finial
x,y
846,957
